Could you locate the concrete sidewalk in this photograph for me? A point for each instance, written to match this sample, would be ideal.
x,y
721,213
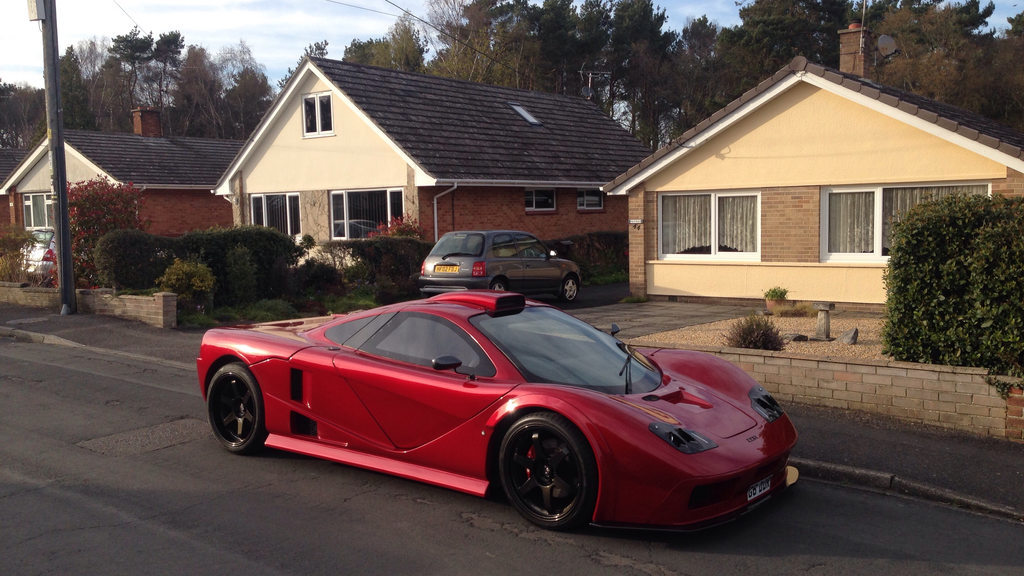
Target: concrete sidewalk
x,y
982,474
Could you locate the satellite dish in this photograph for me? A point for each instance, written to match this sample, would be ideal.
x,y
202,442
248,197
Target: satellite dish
x,y
886,45
587,92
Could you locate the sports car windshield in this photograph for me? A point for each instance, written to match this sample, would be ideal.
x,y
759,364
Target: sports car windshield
x,y
547,345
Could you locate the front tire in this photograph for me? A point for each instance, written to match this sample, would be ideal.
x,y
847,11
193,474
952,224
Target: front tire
x,y
235,406
548,471
570,288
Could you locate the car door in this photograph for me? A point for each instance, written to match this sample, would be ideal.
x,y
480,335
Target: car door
x,y
503,260
539,273
393,375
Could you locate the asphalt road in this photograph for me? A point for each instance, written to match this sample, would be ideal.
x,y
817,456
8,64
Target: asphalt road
x,y
107,467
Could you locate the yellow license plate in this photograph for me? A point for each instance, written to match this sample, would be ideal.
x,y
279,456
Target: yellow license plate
x,y
446,268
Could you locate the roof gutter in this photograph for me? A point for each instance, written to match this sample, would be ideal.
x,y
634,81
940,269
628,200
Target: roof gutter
x,y
445,193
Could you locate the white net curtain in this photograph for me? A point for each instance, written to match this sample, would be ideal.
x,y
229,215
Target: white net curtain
x,y
686,224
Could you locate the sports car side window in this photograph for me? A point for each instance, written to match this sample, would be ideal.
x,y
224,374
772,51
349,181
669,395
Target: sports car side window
x,y
419,338
355,333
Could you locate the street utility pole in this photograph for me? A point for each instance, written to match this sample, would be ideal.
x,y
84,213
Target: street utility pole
x,y
45,11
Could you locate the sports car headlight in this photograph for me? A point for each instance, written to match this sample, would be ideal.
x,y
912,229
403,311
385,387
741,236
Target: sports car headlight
x,y
763,403
686,441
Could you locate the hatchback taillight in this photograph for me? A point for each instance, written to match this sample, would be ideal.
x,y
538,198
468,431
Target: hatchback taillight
x,y
479,268
49,256
423,268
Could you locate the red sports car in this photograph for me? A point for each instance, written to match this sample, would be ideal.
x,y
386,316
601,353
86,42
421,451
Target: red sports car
x,y
480,390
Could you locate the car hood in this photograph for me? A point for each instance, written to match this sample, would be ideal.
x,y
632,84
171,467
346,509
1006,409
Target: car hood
x,y
692,406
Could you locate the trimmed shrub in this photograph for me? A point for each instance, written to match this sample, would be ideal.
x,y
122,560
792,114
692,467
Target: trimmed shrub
x,y
754,331
390,263
954,280
601,256
192,281
132,259
239,284
272,254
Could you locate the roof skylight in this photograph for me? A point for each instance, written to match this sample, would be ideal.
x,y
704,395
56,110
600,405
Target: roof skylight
x,y
525,114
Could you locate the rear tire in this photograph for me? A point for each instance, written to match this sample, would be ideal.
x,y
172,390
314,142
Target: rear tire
x,y
548,471
235,407
499,284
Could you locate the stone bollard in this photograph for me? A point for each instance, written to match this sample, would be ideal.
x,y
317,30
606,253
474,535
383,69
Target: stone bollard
x,y
823,327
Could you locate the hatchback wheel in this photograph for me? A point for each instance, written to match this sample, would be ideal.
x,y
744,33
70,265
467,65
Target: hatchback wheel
x,y
569,289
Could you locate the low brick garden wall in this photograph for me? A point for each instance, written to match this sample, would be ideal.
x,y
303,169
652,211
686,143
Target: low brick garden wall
x,y
158,310
945,396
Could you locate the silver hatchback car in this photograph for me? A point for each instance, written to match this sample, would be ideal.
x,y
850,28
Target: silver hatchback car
x,y
498,260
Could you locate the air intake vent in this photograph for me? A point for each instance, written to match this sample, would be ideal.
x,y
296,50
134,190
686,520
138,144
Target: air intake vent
x,y
764,404
686,441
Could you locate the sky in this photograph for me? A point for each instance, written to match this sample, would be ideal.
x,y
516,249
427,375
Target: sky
x,y
276,31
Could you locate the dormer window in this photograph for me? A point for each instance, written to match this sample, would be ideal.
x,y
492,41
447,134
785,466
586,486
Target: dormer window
x,y
525,114
316,115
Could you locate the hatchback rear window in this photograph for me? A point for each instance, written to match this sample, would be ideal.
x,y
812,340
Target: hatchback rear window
x,y
459,244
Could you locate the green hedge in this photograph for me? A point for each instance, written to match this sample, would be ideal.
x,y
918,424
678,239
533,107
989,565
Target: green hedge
x,y
133,259
954,281
598,254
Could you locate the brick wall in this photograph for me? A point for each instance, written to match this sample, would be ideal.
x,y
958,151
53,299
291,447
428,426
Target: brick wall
x,y
1011,186
503,208
25,295
158,310
946,396
637,267
790,225
175,212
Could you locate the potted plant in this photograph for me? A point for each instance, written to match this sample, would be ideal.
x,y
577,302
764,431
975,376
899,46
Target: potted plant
x,y
774,297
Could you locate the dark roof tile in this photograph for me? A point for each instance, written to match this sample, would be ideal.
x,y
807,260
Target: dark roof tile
x,y
9,160
153,161
457,130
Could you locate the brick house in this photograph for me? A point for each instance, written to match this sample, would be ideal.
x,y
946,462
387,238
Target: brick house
x,y
346,147
176,175
796,183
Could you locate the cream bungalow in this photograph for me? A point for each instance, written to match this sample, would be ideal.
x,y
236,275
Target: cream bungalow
x,y
347,147
795,184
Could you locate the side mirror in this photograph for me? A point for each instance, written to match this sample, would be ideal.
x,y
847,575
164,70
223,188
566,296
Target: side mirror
x,y
615,329
446,363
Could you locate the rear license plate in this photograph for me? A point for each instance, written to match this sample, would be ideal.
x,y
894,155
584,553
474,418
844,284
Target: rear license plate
x,y
759,488
446,268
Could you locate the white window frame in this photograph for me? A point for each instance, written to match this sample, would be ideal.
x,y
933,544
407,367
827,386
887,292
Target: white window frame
x,y
533,199
388,193
262,198
878,194
715,254
583,194
316,98
47,208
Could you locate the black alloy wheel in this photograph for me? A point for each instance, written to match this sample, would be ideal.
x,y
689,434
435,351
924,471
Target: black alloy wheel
x,y
548,471
235,406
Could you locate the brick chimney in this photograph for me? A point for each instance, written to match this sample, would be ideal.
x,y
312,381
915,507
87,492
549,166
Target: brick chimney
x,y
854,47
146,122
